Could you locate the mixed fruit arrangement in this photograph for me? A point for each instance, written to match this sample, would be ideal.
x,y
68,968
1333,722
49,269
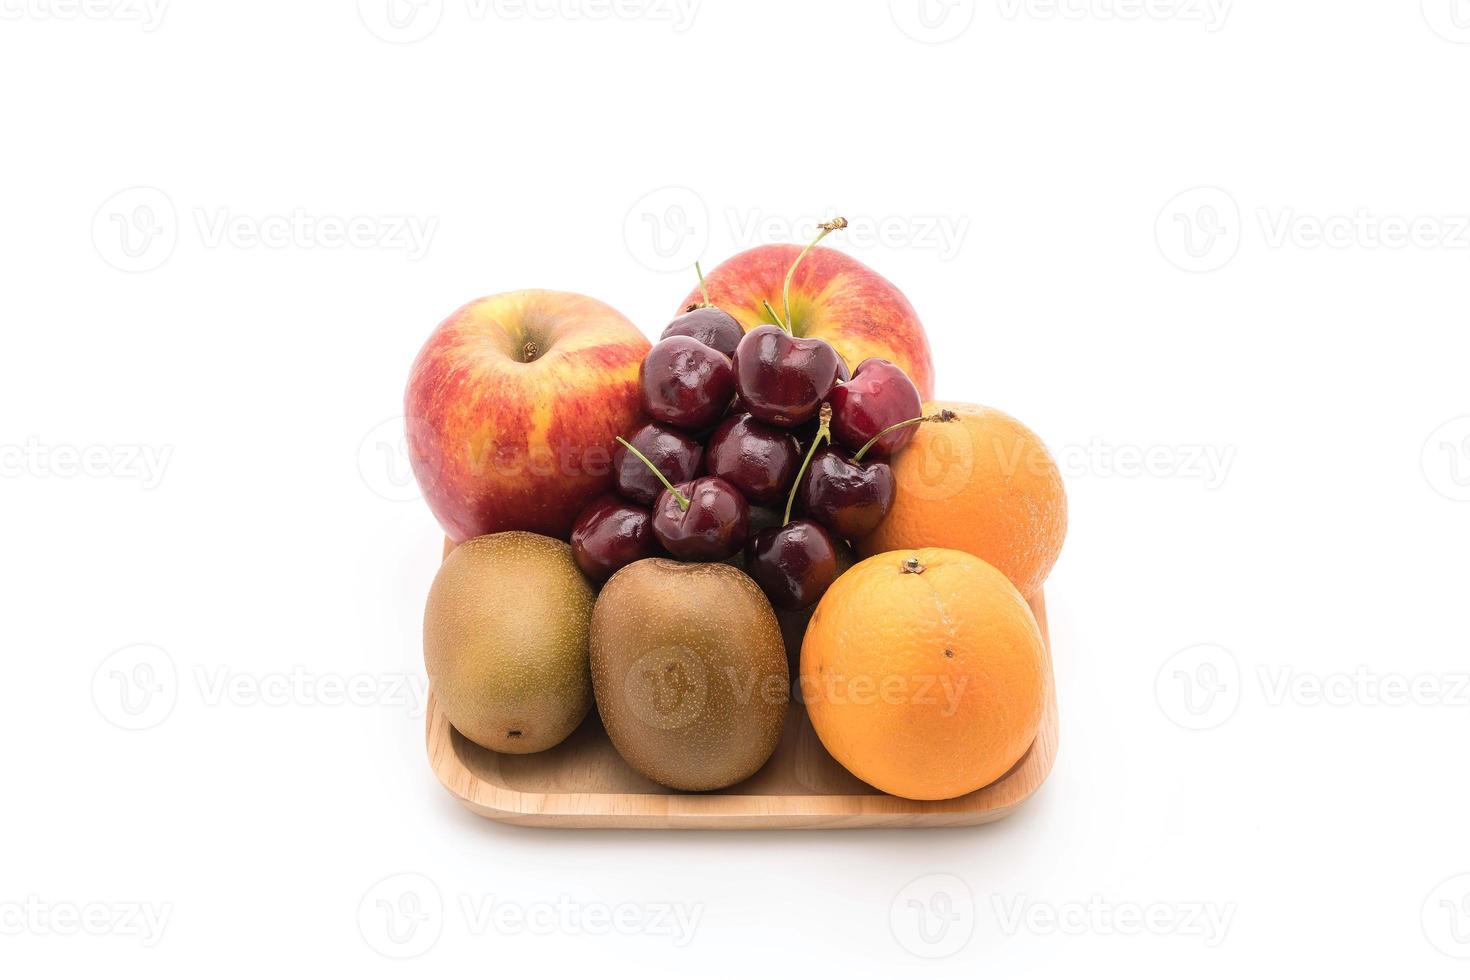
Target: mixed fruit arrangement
x,y
670,533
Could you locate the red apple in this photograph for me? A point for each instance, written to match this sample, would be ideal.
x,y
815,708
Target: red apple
x,y
833,296
513,409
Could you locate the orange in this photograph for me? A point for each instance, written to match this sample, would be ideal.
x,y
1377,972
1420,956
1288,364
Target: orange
x,y
983,483
924,673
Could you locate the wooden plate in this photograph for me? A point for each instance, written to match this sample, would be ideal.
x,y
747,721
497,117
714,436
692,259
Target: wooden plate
x,y
583,782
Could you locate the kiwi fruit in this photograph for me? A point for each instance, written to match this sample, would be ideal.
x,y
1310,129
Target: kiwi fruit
x,y
505,641
689,672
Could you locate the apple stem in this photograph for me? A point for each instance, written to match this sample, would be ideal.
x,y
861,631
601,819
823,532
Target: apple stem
x,y
682,500
825,228
824,433
943,416
703,289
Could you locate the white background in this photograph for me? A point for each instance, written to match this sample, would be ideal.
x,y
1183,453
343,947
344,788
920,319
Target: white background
x,y
1256,390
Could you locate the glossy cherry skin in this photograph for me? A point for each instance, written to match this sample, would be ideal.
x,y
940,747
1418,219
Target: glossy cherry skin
x,y
849,499
783,380
793,564
709,325
611,533
712,529
879,395
685,383
676,455
759,460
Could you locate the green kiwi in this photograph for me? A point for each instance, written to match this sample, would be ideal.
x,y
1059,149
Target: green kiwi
x,y
505,641
689,672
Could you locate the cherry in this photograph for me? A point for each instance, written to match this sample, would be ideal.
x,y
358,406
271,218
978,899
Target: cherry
x,y
783,379
849,498
878,396
795,562
611,533
685,383
758,459
709,325
697,520
702,520
671,452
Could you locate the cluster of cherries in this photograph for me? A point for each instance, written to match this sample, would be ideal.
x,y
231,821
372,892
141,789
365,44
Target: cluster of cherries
x,y
731,412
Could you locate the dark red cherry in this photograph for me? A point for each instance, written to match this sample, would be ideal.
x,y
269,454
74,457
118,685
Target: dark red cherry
x,y
781,379
676,455
879,395
849,499
611,533
793,564
712,526
685,383
759,459
709,325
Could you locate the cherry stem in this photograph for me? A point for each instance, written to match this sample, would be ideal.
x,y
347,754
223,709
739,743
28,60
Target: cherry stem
x,y
703,289
826,228
824,433
944,416
682,500
771,312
